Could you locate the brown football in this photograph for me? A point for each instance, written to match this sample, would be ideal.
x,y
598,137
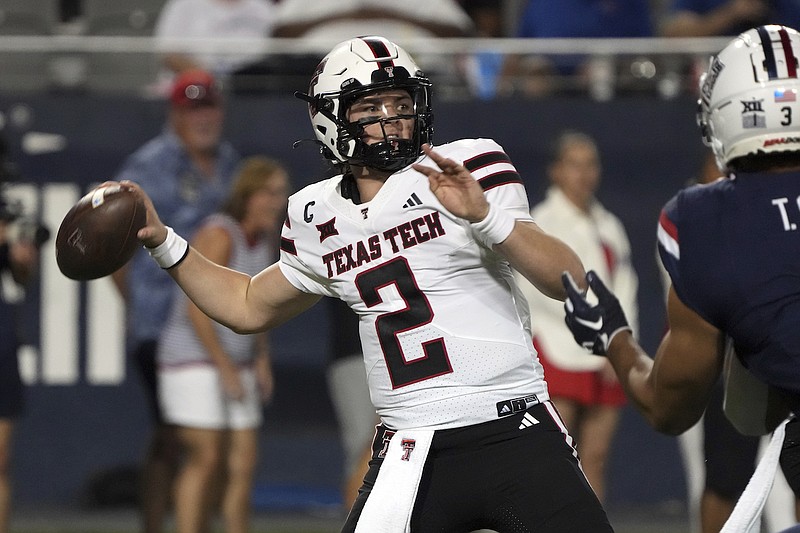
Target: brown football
x,y
98,234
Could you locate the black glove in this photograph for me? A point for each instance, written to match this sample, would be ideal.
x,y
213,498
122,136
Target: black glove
x,y
593,326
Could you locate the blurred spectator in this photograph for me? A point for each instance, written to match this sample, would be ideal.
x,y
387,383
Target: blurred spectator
x,y
19,260
335,21
706,18
213,19
343,19
537,75
482,69
579,18
212,381
187,170
69,10
18,263
583,386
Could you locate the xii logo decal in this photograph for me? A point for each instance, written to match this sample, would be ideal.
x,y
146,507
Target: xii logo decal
x,y
753,114
327,229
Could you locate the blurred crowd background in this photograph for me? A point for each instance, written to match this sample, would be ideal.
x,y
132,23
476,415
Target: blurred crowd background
x,y
84,83
480,48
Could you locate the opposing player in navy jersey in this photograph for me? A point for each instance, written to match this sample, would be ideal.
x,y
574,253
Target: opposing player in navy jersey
x,y
420,242
732,251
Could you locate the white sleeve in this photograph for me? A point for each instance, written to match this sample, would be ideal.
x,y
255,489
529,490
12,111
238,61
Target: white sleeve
x,y
499,178
297,11
442,12
292,266
171,20
294,270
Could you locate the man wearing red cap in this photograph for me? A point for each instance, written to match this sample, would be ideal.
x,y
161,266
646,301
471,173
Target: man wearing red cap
x,y
195,88
188,169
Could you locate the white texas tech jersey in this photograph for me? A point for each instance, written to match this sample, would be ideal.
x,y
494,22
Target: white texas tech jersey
x,y
445,332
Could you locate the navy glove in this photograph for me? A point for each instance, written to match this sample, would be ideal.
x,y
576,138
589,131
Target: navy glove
x,y
593,326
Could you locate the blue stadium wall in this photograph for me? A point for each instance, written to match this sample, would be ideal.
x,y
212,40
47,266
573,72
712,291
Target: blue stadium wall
x,y
76,429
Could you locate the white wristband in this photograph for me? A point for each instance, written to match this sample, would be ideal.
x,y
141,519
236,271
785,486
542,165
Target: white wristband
x,y
170,252
495,227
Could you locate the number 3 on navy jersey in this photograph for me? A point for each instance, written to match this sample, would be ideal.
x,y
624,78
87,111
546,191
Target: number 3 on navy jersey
x,y
417,313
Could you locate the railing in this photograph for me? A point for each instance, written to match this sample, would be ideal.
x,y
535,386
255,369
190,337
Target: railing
x,y
452,46
600,68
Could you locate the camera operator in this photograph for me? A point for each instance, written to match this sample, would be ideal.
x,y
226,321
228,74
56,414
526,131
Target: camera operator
x,y
19,258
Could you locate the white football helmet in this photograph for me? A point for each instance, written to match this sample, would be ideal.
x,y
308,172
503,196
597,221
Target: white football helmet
x,y
748,96
350,70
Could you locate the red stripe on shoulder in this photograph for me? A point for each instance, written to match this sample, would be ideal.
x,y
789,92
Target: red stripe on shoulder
x,y
668,225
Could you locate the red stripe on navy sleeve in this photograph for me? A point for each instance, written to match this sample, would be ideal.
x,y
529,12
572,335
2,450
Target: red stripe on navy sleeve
x,y
668,225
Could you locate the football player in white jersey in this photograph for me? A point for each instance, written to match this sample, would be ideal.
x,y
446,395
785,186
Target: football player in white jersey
x,y
420,242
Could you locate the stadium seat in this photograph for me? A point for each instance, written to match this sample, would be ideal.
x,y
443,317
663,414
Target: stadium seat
x,y
25,72
129,72
28,17
121,17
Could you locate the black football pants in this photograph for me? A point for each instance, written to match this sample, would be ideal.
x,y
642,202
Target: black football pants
x,y
505,475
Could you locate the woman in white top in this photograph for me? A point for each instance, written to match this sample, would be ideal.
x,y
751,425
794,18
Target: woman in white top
x,y
583,386
212,381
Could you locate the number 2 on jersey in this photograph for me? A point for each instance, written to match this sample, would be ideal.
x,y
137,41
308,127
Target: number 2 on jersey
x,y
417,313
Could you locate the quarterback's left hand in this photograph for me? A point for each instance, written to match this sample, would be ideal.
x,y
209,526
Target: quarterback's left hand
x,y
593,326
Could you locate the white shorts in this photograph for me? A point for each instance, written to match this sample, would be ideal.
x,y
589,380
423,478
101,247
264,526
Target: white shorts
x,y
192,396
